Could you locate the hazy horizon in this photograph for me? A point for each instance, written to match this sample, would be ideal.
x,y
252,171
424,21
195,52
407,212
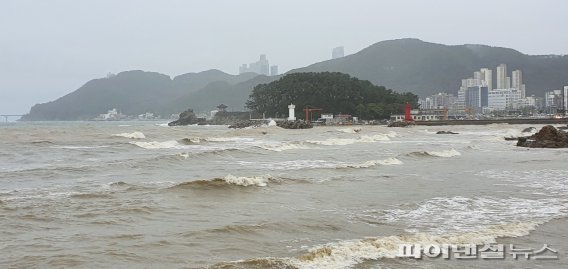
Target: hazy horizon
x,y
51,48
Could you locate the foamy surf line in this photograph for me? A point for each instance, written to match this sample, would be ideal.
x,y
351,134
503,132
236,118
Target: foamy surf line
x,y
228,180
464,221
349,141
319,164
347,254
133,135
442,154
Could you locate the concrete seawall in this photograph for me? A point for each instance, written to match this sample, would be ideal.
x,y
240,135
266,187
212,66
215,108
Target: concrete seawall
x,y
486,122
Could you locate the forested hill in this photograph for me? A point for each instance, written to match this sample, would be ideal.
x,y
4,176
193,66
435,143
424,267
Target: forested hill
x,y
132,92
425,68
335,93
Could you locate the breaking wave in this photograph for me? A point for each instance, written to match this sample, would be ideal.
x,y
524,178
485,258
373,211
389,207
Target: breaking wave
x,y
367,164
229,180
284,146
318,164
349,141
489,220
443,154
350,130
158,145
134,135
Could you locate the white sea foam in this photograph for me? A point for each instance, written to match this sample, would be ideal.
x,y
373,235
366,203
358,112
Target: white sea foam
x,y
455,220
367,164
229,139
549,182
158,145
346,254
334,141
318,164
443,215
349,141
284,146
79,147
260,181
444,153
350,130
133,135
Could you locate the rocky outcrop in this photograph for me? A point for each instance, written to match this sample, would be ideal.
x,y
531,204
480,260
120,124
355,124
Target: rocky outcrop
x,y
547,137
185,118
297,124
400,124
445,132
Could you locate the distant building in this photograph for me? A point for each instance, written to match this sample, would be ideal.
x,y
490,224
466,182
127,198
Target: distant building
x,y
337,52
503,99
502,77
553,99
565,93
274,70
260,67
476,97
487,77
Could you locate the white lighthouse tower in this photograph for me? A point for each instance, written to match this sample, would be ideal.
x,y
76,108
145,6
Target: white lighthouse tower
x,y
291,108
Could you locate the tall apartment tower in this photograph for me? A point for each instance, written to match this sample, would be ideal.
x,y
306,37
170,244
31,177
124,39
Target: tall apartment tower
x,y
274,70
502,76
517,82
337,53
487,76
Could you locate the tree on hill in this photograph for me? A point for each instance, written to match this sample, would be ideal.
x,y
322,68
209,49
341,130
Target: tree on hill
x,y
333,92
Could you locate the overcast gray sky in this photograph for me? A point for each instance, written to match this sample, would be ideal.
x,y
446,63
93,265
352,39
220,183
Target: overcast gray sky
x,y
49,48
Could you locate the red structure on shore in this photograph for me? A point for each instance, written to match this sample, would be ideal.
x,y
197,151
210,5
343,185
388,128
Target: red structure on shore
x,y
407,116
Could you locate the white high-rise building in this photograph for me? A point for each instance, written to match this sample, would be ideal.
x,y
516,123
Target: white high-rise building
x,y
337,53
274,70
487,76
565,93
517,81
260,67
502,76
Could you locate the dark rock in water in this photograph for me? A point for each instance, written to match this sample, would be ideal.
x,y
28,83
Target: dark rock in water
x,y
297,124
185,118
400,124
511,138
529,130
547,137
563,128
446,132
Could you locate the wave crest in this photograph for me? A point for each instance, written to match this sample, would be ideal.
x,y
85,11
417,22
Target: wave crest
x,y
133,135
227,181
443,154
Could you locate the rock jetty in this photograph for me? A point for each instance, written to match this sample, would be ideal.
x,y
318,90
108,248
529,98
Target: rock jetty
x,y
547,137
294,124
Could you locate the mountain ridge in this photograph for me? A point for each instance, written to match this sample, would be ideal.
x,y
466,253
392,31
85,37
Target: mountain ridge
x,y
404,65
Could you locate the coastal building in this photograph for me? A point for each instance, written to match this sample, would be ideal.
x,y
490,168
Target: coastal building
x,y
487,77
565,99
112,114
553,99
502,77
261,66
476,98
337,52
274,70
517,82
503,99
